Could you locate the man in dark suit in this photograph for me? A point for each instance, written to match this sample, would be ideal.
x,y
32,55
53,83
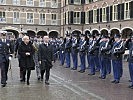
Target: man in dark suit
x,y
45,58
17,44
5,56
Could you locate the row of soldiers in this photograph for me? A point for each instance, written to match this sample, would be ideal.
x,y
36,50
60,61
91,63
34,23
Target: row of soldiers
x,y
103,53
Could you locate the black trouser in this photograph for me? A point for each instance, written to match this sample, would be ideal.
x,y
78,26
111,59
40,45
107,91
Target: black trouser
x,y
6,68
21,69
21,73
46,75
28,74
3,73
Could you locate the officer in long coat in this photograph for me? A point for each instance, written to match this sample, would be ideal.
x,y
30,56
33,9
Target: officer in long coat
x,y
5,56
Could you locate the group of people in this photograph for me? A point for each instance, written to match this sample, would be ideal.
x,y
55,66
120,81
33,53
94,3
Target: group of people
x,y
30,53
103,52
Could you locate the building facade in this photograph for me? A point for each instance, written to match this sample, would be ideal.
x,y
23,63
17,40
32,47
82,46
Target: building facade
x,y
31,16
56,17
97,16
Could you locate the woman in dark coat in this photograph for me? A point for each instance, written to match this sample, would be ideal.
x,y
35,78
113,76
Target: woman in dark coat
x,y
26,52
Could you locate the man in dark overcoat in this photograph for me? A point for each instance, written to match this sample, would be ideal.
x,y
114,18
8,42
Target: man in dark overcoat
x,y
45,58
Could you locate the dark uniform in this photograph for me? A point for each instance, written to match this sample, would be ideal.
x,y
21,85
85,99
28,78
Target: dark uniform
x,y
96,53
62,51
5,53
74,51
91,56
129,45
104,55
82,53
68,45
116,55
17,44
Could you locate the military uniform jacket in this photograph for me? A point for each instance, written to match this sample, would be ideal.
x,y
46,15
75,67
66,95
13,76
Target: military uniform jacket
x,y
95,49
5,51
129,45
104,49
117,51
68,45
75,46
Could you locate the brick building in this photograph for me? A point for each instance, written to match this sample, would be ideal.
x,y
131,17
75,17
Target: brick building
x,y
56,17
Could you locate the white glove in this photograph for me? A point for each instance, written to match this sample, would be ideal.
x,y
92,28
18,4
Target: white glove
x,y
10,58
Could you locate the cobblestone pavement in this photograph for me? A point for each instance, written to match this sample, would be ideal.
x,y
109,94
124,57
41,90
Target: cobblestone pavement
x,y
66,84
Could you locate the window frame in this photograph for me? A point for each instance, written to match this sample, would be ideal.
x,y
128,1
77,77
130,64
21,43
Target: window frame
x,y
75,19
127,11
52,20
29,4
40,20
3,17
27,17
115,13
16,22
104,15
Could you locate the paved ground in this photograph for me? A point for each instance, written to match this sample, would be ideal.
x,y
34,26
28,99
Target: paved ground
x,y
66,85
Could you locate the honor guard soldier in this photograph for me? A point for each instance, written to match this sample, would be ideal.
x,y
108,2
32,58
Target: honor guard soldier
x,y
62,51
91,55
129,45
68,45
74,51
5,55
96,52
53,42
104,54
116,55
82,53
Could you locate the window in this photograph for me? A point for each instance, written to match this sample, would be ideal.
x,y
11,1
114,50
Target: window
x,y
54,19
77,1
42,3
2,17
16,17
30,2
87,17
54,4
29,18
115,12
76,17
104,15
127,11
2,1
16,2
89,1
42,18
95,16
